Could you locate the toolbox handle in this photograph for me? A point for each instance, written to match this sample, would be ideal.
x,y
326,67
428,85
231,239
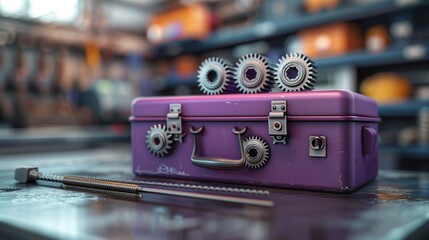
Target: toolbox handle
x,y
213,162
369,140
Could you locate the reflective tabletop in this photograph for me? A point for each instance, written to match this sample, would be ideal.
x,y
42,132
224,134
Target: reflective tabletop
x,y
394,206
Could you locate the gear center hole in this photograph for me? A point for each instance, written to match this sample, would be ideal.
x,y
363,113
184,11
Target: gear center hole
x,y
212,76
156,141
250,74
292,73
253,152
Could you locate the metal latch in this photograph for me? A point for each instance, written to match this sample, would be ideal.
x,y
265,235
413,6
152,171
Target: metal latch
x,y
174,122
277,121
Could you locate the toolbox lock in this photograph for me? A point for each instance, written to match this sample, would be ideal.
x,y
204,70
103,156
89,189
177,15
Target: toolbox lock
x,y
317,146
277,121
174,122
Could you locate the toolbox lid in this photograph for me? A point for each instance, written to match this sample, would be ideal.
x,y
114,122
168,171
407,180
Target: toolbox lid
x,y
314,103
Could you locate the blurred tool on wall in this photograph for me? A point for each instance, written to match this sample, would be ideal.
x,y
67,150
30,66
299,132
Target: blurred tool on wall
x,y
41,83
423,124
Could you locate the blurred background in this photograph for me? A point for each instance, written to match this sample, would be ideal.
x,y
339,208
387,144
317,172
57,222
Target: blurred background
x,y
69,69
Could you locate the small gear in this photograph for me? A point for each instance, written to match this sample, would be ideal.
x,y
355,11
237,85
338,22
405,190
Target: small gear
x,y
296,72
215,76
256,152
158,141
254,74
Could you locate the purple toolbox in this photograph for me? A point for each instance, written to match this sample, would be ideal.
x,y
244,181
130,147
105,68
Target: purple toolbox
x,y
314,140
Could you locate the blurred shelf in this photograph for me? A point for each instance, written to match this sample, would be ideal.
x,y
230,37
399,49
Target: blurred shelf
x,y
268,29
60,138
415,151
172,82
393,55
404,109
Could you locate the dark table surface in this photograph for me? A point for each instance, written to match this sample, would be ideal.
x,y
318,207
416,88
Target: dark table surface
x,y
394,206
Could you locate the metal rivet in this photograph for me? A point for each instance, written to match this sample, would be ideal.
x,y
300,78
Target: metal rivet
x,y
277,126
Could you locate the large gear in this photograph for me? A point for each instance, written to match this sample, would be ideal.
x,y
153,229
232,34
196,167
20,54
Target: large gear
x,y
158,141
216,76
296,72
254,74
256,152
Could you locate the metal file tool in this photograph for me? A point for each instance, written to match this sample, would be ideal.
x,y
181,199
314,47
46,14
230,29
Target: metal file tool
x,y
32,174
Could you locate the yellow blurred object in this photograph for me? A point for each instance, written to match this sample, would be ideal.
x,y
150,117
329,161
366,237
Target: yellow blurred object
x,y
377,38
189,21
330,40
387,87
318,5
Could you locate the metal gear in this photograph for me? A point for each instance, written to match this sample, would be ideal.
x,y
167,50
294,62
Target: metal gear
x,y
254,74
158,141
215,76
256,152
296,72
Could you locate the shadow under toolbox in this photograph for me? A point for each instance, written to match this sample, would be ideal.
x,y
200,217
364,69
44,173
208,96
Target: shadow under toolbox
x,y
318,140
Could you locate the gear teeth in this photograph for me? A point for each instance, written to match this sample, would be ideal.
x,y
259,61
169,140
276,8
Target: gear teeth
x,y
306,74
263,79
261,156
221,78
164,142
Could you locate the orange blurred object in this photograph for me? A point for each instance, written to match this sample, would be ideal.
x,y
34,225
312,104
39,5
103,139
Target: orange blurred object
x,y
377,38
93,56
330,40
186,65
318,5
192,21
387,87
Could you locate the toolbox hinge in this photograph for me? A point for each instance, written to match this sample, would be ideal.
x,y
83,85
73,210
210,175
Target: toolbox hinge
x,y
174,122
277,121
